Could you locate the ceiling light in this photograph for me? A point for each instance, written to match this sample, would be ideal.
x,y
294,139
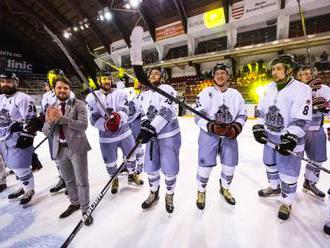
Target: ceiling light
x,y
127,6
66,34
134,3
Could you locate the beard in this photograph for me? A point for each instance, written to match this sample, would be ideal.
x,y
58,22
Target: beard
x,y
62,97
8,90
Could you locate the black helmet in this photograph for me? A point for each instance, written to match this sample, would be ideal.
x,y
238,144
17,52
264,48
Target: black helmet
x,y
286,59
104,73
163,73
8,75
312,68
52,74
220,66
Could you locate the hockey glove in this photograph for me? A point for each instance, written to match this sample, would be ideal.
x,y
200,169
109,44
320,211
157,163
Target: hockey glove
x,y
112,123
315,84
35,124
259,133
234,129
288,143
16,127
25,140
218,129
320,104
136,46
146,133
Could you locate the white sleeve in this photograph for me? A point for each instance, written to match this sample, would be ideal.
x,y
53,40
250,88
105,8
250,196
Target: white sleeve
x,y
242,114
166,110
301,112
203,102
95,116
123,106
260,110
26,107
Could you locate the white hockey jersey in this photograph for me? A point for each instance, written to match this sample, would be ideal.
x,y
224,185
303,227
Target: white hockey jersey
x,y
287,110
223,107
115,101
160,111
49,99
16,108
317,116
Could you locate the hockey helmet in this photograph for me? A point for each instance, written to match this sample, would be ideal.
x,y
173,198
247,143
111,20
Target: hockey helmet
x,y
220,66
9,75
286,59
52,74
104,73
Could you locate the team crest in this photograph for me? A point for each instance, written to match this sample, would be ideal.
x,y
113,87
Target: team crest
x,y
274,119
223,115
5,119
152,112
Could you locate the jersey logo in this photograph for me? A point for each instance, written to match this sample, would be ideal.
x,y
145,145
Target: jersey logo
x,y
131,108
274,119
5,119
152,112
223,115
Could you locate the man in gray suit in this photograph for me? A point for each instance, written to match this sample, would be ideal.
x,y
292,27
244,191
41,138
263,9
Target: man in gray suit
x,y
66,123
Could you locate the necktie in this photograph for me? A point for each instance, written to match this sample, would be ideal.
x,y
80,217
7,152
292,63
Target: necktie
x,y
61,132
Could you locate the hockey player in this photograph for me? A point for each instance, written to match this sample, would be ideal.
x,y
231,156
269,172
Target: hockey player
x,y
114,131
134,121
315,139
282,116
49,99
16,136
227,108
160,129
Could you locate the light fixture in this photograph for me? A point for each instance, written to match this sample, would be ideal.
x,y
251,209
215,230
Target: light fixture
x,y
67,34
134,3
75,28
127,6
106,13
101,17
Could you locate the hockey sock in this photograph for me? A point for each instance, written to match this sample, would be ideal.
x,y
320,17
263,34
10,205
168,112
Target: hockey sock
x,y
140,155
203,174
272,175
26,178
312,173
288,188
111,168
170,183
227,174
154,180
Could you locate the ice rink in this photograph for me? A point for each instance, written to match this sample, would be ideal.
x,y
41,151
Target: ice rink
x,y
119,220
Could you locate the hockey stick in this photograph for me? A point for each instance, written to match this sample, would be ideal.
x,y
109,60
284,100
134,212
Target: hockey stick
x,y
303,25
40,143
73,63
311,162
153,87
96,202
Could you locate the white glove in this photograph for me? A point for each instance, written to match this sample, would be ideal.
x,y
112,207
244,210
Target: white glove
x,y
136,46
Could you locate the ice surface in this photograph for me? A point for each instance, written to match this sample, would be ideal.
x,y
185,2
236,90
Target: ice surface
x,y
119,220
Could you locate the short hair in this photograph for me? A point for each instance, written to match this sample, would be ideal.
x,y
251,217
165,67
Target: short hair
x,y
63,80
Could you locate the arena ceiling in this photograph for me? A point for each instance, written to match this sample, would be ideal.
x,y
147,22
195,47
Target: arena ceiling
x,y
24,19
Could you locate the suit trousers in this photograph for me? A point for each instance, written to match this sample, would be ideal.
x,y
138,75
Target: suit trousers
x,y
74,171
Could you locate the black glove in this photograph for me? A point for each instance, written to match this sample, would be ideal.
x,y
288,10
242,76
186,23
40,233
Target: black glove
x,y
16,127
25,140
259,133
288,143
146,133
320,104
36,124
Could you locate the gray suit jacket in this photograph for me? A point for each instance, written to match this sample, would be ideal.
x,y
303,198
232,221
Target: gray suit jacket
x,y
74,124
